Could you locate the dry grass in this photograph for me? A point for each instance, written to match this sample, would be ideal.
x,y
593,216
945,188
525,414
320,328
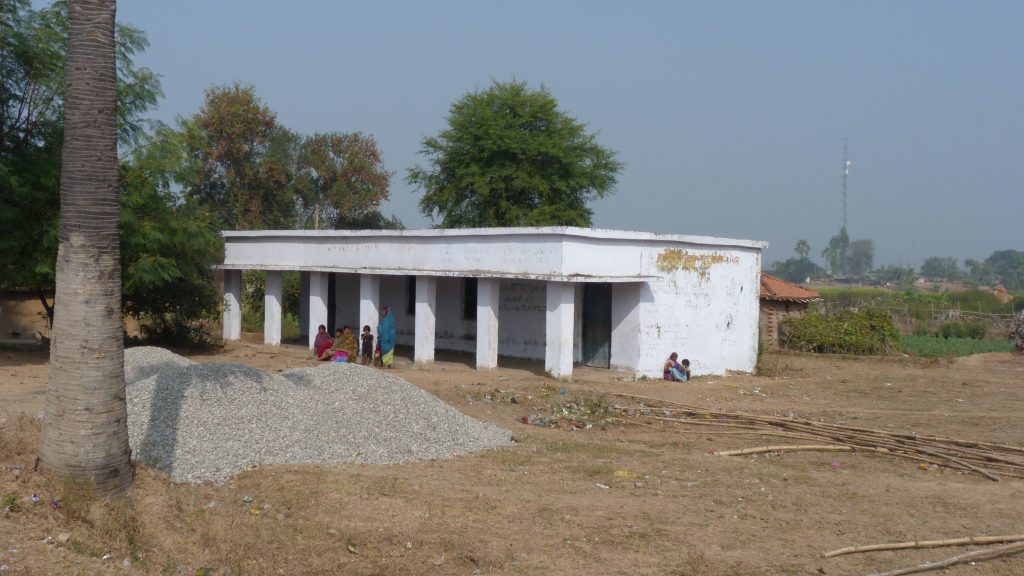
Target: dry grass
x,y
669,507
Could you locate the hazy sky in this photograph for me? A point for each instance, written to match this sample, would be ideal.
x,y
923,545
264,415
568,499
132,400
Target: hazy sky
x,y
729,116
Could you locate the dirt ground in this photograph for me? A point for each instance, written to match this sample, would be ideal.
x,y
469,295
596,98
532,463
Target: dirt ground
x,y
612,499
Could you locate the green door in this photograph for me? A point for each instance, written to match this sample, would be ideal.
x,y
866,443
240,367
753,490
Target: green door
x,y
597,325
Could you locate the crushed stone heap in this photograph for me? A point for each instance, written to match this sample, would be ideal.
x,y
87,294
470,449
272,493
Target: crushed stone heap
x,y
210,421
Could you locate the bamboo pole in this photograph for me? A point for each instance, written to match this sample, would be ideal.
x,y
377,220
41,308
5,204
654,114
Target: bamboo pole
x,y
977,555
925,544
973,456
788,448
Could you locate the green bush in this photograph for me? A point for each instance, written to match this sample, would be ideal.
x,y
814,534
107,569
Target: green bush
x,y
975,330
864,332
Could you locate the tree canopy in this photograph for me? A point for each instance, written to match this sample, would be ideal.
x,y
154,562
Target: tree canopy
x,y
511,157
341,179
940,268
33,49
243,161
168,247
798,269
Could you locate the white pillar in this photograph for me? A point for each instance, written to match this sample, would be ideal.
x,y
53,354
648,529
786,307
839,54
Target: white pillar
x,y
272,308
232,319
561,300
317,304
487,323
369,301
426,305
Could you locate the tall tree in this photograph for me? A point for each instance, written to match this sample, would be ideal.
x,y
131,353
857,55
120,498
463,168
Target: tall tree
x,y
33,45
940,268
510,157
341,179
861,257
837,252
802,248
1008,265
243,161
85,429
168,247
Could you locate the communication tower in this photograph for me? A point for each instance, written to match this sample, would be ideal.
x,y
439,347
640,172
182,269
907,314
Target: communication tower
x,y
846,172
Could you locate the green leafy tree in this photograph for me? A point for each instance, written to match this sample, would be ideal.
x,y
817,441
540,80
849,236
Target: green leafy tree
x,y
802,248
243,162
33,47
341,179
1008,266
510,157
798,269
168,248
940,268
896,275
861,257
980,272
372,220
837,252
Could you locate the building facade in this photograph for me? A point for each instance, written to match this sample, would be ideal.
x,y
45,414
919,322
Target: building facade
x,y
566,296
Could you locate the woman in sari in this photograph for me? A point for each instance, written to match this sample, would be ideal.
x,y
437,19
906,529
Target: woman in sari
x,y
386,337
322,342
348,344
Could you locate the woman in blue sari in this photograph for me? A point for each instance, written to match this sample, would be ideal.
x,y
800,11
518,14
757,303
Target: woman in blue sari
x,y
386,337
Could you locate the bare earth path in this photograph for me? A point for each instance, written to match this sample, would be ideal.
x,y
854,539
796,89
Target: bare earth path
x,y
624,499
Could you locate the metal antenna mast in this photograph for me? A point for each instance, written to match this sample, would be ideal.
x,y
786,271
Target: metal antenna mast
x,y
846,172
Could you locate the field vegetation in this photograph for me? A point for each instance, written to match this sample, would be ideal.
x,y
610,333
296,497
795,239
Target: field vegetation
x,y
938,347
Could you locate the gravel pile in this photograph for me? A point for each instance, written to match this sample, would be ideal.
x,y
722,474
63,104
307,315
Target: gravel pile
x,y
209,421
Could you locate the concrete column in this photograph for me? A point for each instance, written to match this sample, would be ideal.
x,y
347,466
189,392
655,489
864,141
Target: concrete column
x,y
561,300
232,305
369,301
272,308
317,304
426,305
487,323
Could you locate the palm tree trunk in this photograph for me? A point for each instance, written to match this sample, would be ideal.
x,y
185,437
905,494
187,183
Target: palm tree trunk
x,y
85,430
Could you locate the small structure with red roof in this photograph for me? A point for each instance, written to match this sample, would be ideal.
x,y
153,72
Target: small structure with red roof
x,y
781,299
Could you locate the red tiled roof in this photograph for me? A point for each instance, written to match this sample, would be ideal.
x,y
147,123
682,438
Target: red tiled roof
x,y
773,288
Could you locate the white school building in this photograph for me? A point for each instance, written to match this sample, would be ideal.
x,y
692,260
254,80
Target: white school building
x,y
608,298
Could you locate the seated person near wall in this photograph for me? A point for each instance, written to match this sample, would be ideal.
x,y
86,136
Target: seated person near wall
x,y
344,346
322,342
347,344
674,371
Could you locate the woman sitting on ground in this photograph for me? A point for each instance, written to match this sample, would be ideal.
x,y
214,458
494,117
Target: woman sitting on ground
x,y
347,343
328,353
674,371
322,342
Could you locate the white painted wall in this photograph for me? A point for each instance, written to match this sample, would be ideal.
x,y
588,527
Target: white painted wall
x,y
709,317
696,296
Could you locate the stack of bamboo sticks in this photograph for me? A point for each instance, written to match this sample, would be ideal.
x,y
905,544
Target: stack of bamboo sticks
x,y
991,460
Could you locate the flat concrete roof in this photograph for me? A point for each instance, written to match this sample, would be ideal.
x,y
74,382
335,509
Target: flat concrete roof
x,y
571,231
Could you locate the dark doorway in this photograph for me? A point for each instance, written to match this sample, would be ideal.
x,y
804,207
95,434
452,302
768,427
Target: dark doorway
x,y
332,320
597,325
